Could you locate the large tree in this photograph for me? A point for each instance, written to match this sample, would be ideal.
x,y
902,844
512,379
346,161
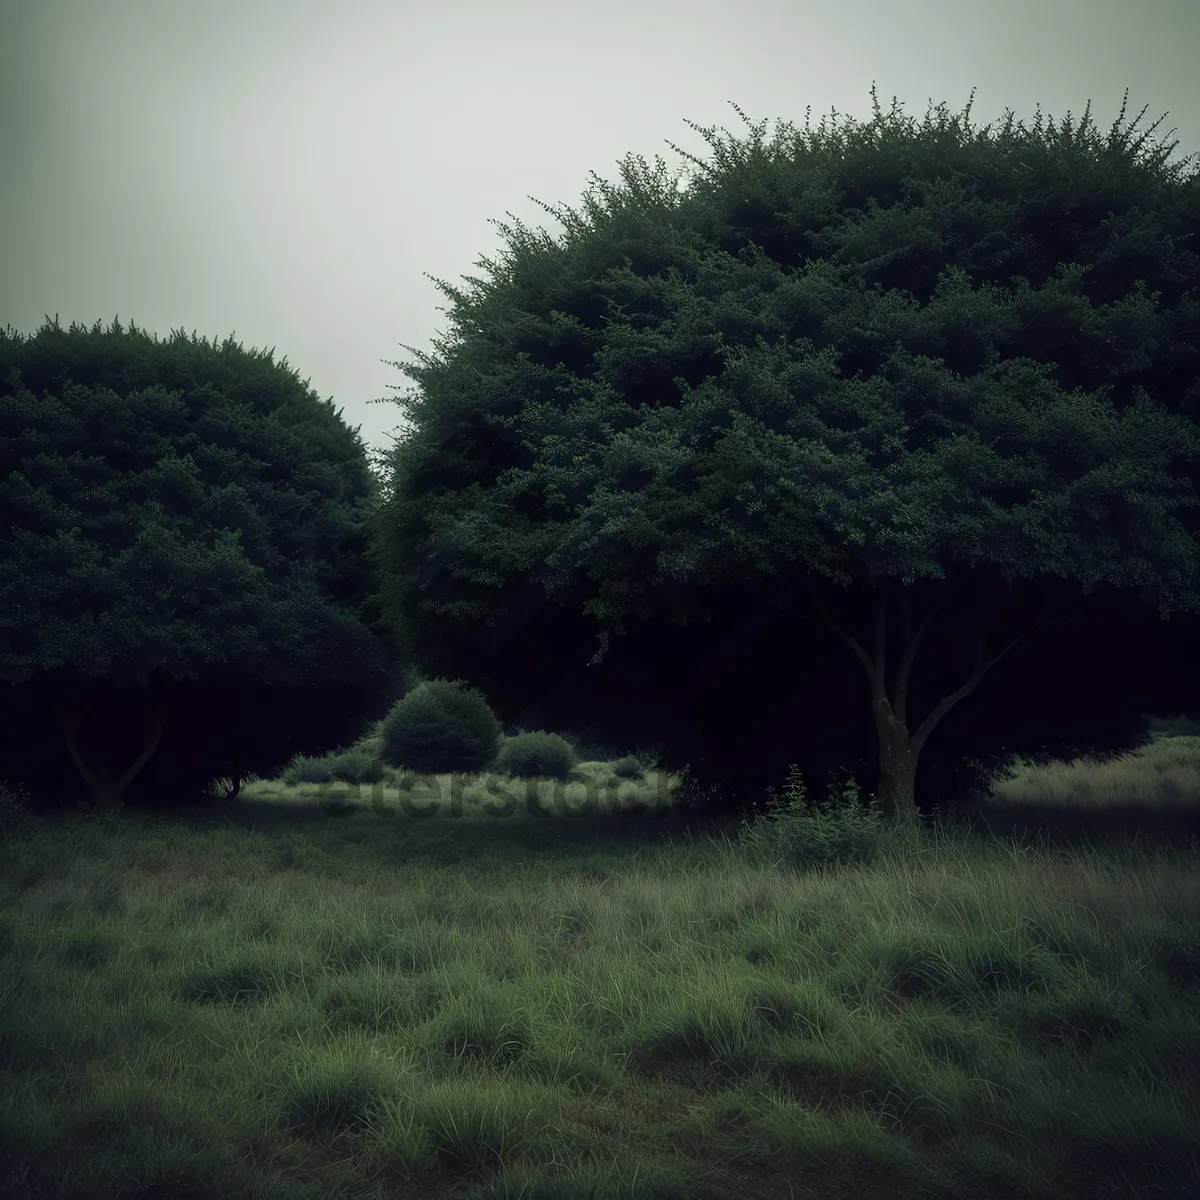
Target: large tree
x,y
175,512
880,357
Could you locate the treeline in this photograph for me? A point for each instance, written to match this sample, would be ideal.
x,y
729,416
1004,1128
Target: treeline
x,y
856,439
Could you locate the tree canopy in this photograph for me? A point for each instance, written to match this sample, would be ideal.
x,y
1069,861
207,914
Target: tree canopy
x,y
877,357
175,511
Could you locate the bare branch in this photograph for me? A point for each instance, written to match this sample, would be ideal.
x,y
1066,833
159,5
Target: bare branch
x,y
153,722
981,669
910,651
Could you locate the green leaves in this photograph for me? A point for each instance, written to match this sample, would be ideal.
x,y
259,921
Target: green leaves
x,y
165,531
872,359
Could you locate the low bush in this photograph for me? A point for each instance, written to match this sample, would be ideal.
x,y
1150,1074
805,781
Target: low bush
x,y
536,754
359,764
374,735
306,769
628,767
801,833
1159,728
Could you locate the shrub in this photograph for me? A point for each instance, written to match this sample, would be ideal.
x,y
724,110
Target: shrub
x,y
628,768
305,769
804,834
529,755
439,727
359,764
373,738
1169,727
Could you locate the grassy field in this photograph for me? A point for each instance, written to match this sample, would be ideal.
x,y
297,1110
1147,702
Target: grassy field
x,y
317,992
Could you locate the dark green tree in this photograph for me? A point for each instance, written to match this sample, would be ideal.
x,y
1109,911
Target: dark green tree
x,y
875,358
174,511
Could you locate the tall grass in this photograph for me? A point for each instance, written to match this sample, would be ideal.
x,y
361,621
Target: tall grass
x,y
317,992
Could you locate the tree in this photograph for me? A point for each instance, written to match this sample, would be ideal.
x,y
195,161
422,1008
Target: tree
x,y
175,512
886,356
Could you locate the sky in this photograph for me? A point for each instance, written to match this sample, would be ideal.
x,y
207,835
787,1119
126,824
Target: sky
x,y
291,172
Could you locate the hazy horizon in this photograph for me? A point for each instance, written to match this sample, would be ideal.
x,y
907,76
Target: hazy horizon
x,y
291,174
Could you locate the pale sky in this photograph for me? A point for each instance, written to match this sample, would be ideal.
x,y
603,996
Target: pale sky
x,y
288,171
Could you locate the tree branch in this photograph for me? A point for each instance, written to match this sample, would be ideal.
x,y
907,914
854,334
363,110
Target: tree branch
x,y
876,671
981,669
153,722
903,673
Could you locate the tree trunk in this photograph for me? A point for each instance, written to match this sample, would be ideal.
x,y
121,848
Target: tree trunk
x,y
898,751
897,766
108,795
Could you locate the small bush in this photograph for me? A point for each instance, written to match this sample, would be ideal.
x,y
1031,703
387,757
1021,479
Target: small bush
x,y
358,764
804,834
628,768
441,726
306,769
537,754
1170,727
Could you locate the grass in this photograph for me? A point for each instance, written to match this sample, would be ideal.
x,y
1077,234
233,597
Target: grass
x,y
316,993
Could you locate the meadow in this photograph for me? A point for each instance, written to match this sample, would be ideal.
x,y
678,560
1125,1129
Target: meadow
x,y
555,990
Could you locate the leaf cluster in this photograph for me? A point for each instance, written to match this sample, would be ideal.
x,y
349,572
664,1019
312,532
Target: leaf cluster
x,y
875,356
175,509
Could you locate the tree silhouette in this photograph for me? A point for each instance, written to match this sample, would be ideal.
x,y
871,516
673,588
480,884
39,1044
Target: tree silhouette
x,y
175,512
881,357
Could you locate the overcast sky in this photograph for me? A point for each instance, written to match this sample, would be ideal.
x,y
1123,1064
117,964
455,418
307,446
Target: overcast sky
x,y
288,171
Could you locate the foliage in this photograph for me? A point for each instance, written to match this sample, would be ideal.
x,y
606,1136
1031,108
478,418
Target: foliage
x,y
818,420
1158,728
355,764
441,726
628,767
180,513
175,509
534,754
880,357
361,762
804,833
